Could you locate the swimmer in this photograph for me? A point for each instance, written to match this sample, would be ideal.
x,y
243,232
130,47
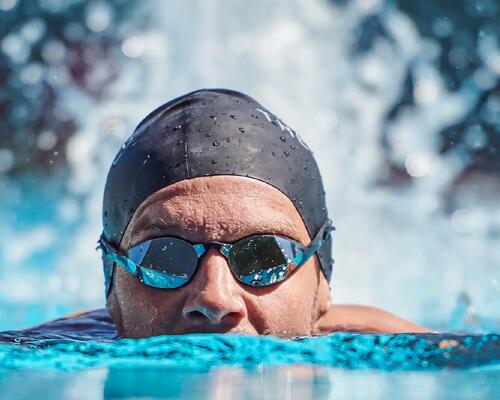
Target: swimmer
x,y
215,220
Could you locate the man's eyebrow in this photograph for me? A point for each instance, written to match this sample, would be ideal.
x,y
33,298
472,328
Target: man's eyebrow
x,y
159,224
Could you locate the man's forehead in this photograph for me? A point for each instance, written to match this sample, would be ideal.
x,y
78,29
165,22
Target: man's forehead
x,y
227,190
218,184
231,230
233,207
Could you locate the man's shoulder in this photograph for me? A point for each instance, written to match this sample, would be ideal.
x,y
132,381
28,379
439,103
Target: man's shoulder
x,y
98,311
367,319
97,316
86,325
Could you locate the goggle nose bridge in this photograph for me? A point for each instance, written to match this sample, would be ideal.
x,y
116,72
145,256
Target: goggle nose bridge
x,y
223,248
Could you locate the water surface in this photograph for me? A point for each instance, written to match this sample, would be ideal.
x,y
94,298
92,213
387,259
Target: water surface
x,y
83,358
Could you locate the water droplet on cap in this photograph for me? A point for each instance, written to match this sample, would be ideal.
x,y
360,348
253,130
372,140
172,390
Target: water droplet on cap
x,y
233,116
216,143
283,139
242,130
214,161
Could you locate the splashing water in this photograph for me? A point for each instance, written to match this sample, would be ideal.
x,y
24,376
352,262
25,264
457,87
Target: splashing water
x,y
406,234
206,351
398,247
158,366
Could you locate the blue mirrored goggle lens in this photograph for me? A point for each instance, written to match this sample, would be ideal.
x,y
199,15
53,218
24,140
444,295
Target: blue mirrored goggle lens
x,y
137,253
263,260
162,280
164,262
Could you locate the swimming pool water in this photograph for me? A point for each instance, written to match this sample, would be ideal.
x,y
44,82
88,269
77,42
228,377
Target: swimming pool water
x,y
282,382
340,365
444,256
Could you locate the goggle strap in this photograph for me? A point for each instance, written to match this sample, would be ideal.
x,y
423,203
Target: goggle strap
x,y
114,255
322,235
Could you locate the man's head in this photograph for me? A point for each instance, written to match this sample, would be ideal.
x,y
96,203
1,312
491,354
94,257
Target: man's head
x,y
214,165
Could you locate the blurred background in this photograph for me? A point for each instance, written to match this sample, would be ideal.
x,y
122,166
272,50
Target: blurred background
x,y
399,101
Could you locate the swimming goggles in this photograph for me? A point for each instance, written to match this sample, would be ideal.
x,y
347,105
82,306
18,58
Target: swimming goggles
x,y
169,262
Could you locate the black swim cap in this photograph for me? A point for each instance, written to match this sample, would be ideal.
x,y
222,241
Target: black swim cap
x,y
212,132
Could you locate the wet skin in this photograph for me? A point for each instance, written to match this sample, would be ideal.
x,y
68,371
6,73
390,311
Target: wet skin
x,y
226,208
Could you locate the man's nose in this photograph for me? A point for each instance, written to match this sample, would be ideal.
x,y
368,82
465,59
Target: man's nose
x,y
214,297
